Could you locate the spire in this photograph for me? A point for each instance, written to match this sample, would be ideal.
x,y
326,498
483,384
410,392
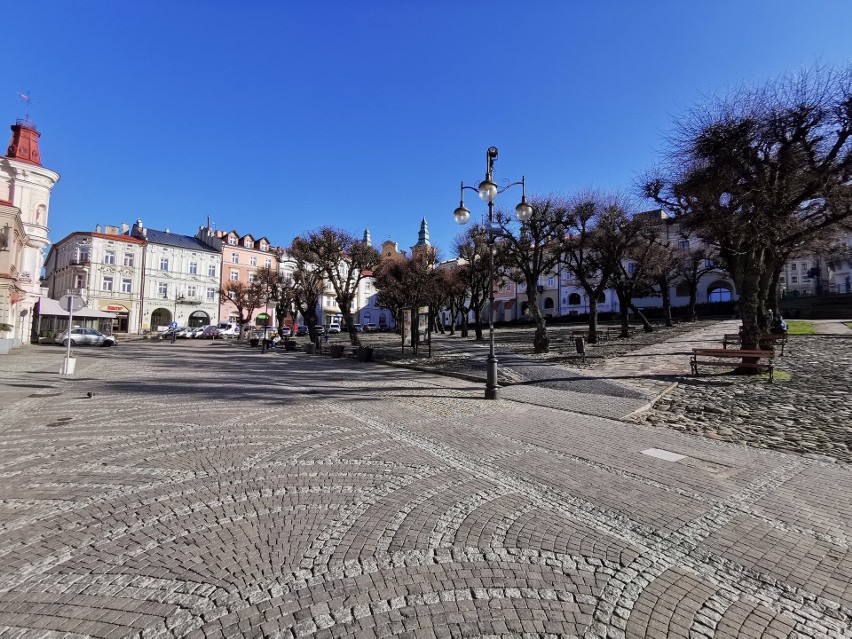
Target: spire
x,y
24,144
423,235
367,238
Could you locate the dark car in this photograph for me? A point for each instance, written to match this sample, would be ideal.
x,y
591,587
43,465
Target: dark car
x,y
302,331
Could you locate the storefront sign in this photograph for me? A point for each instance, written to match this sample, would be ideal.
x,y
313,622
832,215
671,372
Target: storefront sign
x,y
24,277
115,308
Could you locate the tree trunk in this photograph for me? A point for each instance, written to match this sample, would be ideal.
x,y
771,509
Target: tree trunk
x,y
646,325
667,305
623,306
593,319
541,342
693,300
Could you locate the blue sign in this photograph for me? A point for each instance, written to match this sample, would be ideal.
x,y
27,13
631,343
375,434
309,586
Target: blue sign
x,y
173,325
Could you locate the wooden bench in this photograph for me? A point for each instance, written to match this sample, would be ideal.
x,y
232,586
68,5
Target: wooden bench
x,y
770,339
601,335
712,357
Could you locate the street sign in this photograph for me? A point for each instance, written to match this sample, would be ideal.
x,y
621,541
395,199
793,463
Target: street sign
x,y
173,325
262,319
76,302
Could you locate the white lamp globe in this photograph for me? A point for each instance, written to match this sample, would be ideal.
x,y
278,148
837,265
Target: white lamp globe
x,y
487,191
461,215
524,211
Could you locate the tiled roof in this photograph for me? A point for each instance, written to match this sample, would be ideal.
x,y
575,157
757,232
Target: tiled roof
x,y
178,240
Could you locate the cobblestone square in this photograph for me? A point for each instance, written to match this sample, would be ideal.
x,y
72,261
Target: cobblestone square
x,y
211,491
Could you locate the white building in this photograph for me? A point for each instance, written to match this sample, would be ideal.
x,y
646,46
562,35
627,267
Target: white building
x,y
105,268
180,281
25,188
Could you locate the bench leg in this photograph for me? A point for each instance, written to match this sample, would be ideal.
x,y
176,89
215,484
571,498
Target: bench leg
x,y
693,365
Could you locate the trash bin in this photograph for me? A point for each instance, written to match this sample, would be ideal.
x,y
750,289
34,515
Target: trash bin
x,y
580,343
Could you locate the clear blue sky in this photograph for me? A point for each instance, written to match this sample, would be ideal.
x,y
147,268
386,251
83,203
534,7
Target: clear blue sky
x,y
275,117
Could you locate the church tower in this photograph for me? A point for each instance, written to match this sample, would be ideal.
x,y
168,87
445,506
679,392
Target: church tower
x,y
423,250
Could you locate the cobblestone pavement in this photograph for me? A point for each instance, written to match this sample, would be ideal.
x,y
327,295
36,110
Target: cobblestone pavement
x,y
211,491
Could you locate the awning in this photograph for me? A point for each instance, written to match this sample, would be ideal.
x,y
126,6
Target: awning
x,y
47,306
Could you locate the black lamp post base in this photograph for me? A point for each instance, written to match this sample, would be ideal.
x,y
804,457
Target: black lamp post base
x,y
492,393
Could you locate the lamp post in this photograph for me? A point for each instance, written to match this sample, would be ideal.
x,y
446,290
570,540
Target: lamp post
x,y
488,191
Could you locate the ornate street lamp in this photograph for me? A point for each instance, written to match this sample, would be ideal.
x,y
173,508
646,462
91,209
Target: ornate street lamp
x,y
488,191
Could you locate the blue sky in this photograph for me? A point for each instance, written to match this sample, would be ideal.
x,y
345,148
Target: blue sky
x,y
276,117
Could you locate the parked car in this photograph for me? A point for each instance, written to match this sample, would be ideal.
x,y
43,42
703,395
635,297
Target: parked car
x,y
320,330
196,332
183,333
210,332
333,329
358,328
384,328
285,331
370,328
84,337
227,329
302,331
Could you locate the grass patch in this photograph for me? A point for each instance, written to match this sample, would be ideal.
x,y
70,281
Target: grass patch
x,y
848,324
800,327
780,376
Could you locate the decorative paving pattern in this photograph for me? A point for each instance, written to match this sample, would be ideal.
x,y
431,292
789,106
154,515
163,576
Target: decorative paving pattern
x,y
213,492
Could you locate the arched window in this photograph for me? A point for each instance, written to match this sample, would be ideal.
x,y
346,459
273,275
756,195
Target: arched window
x,y
548,303
574,299
719,291
602,298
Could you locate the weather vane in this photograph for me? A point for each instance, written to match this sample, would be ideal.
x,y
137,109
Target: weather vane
x,y
27,99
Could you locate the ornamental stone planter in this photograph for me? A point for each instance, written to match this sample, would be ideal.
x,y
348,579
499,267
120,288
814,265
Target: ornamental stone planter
x,y
336,350
364,354
290,345
309,348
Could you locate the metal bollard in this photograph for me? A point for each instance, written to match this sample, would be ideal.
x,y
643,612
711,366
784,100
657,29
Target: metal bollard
x,y
580,344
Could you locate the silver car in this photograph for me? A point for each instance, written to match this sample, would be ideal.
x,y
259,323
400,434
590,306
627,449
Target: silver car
x,y
84,337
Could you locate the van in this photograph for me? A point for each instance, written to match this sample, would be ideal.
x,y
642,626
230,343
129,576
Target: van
x,y
227,329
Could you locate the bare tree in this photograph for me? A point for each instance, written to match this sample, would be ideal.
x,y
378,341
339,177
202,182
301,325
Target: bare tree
x,y
246,297
532,251
761,170
343,259
472,247
582,256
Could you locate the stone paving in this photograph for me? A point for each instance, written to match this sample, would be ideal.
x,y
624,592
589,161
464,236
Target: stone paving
x,y
211,491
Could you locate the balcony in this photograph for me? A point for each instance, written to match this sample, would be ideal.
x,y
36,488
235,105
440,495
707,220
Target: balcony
x,y
81,262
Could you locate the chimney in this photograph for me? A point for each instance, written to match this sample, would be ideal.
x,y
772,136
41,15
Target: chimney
x,y
167,230
144,232
110,230
97,228
125,227
139,224
24,144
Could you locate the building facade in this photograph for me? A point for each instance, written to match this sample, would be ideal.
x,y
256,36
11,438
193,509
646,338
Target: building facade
x,y
25,188
180,280
105,267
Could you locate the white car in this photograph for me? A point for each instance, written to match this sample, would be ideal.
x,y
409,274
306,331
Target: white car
x,y
333,329
197,331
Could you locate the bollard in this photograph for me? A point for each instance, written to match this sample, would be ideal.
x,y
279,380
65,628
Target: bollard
x,y
580,343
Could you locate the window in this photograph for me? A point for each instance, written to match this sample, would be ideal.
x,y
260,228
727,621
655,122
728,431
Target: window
x,y
164,264
211,270
79,281
574,299
191,291
84,254
683,244
804,266
128,259
126,285
253,260
631,267
794,279
709,264
235,258
109,257
107,284
782,279
267,263
235,276
211,294
550,282
719,295
248,243
264,246
193,268
792,267
232,241
252,278
231,295
163,289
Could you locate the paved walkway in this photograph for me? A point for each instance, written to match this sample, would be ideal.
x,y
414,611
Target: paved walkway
x,y
211,491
